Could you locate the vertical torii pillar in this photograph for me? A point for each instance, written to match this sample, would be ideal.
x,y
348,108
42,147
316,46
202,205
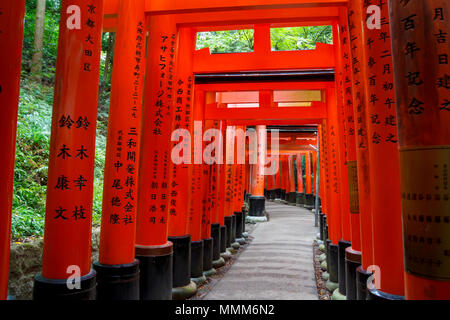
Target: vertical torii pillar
x,y
240,156
11,36
229,184
207,195
117,269
215,187
352,253
309,195
334,214
181,169
271,186
283,176
68,217
196,214
278,179
382,136
420,49
362,150
257,200
153,250
292,194
300,188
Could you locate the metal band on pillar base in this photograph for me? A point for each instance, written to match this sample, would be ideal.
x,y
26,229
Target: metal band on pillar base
x,y
361,283
208,269
117,282
183,287
234,244
217,260
342,246
57,289
352,262
257,206
156,271
197,262
332,267
374,294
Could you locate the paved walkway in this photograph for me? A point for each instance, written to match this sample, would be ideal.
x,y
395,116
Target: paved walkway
x,y
278,263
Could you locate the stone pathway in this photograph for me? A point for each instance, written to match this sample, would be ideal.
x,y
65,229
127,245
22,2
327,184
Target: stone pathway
x,y
277,264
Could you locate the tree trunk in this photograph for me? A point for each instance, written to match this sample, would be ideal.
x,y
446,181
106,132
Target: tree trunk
x,y
36,62
109,54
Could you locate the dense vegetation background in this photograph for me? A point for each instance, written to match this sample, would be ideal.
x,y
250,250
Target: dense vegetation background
x,y
36,100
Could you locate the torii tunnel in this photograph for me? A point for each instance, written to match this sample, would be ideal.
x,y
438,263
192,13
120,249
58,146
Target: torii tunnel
x,y
197,143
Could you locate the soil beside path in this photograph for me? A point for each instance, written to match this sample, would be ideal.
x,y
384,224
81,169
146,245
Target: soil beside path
x,y
277,264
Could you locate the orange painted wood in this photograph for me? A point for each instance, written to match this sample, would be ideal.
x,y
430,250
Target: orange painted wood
x,y
11,34
155,153
68,217
118,228
420,52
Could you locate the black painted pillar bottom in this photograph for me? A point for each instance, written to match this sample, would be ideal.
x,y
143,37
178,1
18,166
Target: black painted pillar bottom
x,y
321,225
292,198
257,206
223,239
57,289
208,268
352,262
277,194
197,262
215,235
156,271
341,265
229,225
361,283
332,265
117,282
183,287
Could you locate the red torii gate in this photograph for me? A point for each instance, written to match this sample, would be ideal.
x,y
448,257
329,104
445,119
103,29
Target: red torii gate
x,y
170,19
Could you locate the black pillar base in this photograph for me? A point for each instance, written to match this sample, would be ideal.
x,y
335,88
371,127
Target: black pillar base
x,y
215,235
292,197
117,282
57,289
361,283
352,262
310,201
229,225
341,265
196,259
233,228
374,294
223,239
283,194
239,222
244,213
265,194
321,215
303,199
272,194
277,193
208,254
332,265
156,271
257,206
181,260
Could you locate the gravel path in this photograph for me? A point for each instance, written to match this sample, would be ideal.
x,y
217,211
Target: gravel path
x,y
277,264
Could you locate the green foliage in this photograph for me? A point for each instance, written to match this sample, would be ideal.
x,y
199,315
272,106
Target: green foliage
x,y
282,39
300,38
51,29
226,41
